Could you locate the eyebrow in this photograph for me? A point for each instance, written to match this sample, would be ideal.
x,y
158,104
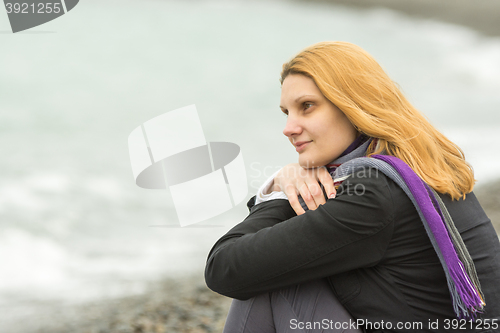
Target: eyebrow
x,y
299,98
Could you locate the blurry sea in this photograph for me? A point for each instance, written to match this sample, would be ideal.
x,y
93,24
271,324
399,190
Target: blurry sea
x,y
75,227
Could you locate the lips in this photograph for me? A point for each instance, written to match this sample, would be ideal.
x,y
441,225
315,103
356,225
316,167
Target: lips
x,y
301,145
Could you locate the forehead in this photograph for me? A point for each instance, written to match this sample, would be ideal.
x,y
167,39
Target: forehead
x,y
297,85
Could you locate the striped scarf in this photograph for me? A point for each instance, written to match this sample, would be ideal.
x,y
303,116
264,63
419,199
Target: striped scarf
x,y
463,283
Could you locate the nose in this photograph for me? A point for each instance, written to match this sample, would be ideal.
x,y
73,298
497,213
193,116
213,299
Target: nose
x,y
292,126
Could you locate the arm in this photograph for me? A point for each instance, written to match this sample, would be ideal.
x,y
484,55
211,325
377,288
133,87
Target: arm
x,y
268,191
273,249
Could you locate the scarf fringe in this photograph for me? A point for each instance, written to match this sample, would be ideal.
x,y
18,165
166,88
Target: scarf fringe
x,y
461,249
464,290
467,301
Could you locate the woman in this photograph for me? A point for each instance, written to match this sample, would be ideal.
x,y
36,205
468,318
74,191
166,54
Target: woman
x,y
402,244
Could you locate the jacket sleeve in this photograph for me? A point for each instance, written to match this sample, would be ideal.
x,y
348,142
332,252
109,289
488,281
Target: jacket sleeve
x,y
273,248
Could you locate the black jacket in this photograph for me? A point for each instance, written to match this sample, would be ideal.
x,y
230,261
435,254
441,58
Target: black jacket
x,y
371,245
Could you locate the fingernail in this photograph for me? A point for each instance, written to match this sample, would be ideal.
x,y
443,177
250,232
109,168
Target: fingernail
x,y
332,195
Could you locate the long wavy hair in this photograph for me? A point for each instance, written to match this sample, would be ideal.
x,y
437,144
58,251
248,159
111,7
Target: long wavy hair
x,y
354,82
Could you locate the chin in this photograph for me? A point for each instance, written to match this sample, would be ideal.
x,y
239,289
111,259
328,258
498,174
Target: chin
x,y
309,164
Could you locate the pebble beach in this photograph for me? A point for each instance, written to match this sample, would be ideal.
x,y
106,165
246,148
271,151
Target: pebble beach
x,y
170,306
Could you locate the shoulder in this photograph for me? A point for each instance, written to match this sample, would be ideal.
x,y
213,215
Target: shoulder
x,y
364,201
368,181
466,213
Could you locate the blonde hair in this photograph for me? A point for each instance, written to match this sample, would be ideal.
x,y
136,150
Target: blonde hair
x,y
354,82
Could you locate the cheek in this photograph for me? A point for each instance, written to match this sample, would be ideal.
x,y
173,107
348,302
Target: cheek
x,y
345,131
348,128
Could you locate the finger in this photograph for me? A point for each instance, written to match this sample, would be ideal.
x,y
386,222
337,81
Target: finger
x,y
316,192
291,194
307,196
327,181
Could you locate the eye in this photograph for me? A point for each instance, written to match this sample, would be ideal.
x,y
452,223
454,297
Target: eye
x,y
285,112
307,105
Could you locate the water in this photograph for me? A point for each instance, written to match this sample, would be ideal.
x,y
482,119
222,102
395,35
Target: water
x,y
74,225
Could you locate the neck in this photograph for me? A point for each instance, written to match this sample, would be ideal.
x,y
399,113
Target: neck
x,y
360,139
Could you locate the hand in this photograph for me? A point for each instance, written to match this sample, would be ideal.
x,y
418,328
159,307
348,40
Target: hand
x,y
294,179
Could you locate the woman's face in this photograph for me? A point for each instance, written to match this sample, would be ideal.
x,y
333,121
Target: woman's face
x,y
319,131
